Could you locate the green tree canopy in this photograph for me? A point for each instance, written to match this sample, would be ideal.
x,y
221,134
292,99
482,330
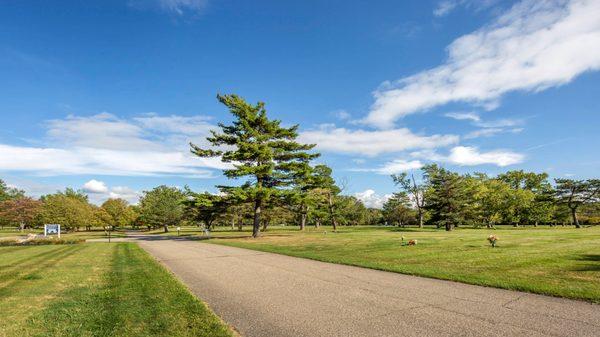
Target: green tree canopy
x,y
575,193
260,150
120,213
162,206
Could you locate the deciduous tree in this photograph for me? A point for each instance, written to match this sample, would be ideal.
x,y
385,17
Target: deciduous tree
x,y
162,206
575,193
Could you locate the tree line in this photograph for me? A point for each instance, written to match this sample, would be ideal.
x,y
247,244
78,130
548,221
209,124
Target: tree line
x,y
447,199
275,181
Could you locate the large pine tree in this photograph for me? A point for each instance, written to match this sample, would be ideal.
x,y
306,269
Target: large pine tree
x,y
261,150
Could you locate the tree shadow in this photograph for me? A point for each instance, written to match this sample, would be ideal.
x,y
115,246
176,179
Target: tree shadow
x,y
593,262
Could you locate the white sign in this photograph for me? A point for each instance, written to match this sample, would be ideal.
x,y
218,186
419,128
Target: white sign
x,y
50,229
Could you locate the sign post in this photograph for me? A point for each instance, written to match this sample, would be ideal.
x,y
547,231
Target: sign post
x,y
50,229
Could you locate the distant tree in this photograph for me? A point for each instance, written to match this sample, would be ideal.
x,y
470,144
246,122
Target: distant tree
x,y
350,211
324,183
69,211
374,217
535,206
492,196
204,207
75,194
101,219
260,149
446,197
575,193
397,210
120,213
162,206
8,193
415,191
21,211
302,197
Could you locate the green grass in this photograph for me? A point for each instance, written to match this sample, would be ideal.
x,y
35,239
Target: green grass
x,y
96,289
95,233
561,262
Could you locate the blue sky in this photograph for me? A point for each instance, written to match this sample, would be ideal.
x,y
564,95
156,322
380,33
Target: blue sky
x,y
104,96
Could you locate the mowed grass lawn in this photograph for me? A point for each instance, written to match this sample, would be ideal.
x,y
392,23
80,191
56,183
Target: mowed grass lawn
x,y
561,262
97,289
96,233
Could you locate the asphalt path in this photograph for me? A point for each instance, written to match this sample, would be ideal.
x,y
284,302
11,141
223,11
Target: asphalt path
x,y
270,295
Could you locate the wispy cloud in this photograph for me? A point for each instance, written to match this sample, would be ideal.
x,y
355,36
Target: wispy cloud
x,y
371,143
108,145
445,7
472,156
173,7
393,167
469,116
533,46
487,128
342,115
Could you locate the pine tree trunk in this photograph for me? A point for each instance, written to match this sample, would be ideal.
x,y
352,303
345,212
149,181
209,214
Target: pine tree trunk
x,y
256,224
232,223
166,228
449,227
535,224
575,220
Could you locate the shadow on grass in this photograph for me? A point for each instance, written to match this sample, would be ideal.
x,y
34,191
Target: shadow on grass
x,y
593,262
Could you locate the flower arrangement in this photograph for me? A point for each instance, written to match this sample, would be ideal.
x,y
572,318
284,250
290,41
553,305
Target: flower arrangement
x,y
409,243
492,239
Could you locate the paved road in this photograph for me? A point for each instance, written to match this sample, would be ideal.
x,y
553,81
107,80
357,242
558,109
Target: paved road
x,y
270,295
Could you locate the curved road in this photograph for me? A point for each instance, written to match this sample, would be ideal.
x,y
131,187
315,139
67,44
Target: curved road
x,y
270,295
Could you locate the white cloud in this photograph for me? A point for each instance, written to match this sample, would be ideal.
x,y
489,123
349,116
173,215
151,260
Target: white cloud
x,y
103,130
463,116
468,156
54,161
342,115
483,133
372,143
105,144
186,125
123,192
446,6
471,156
98,192
393,167
487,128
174,7
371,199
95,186
488,132
180,7
533,46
